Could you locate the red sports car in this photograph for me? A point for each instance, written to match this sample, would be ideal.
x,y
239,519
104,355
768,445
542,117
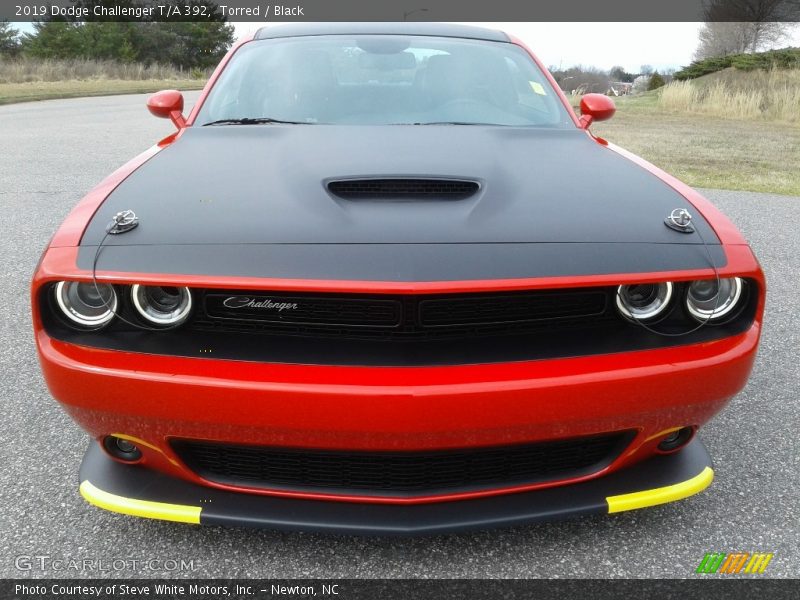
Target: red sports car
x,y
383,279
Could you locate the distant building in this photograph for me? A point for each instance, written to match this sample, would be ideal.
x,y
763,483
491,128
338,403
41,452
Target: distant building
x,y
619,88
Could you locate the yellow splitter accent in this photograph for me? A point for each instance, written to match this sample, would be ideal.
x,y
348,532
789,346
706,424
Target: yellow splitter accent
x,y
140,508
661,495
183,513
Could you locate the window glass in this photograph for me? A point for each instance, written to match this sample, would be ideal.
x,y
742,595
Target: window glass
x,y
385,79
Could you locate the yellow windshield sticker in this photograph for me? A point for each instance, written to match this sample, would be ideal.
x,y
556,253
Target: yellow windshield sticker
x,y
538,88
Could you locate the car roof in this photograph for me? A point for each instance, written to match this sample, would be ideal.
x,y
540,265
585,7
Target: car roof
x,y
423,29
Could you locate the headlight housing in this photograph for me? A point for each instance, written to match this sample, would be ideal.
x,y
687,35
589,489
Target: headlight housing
x,y
713,299
644,301
89,305
163,306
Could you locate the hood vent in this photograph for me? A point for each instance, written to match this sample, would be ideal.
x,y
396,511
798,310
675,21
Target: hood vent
x,y
397,189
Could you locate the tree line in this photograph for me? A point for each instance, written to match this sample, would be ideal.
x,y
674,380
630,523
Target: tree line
x,y
745,26
581,79
183,44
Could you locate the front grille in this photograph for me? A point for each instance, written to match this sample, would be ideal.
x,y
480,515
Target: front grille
x,y
402,473
403,188
407,330
510,309
401,317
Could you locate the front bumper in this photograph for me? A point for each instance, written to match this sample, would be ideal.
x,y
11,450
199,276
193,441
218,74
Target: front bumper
x,y
152,400
142,492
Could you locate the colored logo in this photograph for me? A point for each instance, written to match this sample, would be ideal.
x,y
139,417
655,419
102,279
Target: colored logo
x,y
737,562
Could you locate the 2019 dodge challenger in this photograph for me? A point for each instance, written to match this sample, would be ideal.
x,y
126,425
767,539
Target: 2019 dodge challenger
x,y
384,279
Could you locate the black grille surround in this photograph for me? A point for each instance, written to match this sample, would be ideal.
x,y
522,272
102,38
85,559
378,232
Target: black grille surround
x,y
399,330
397,317
402,188
400,474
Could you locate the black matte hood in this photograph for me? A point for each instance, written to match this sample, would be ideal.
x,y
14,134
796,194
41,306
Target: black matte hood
x,y
266,185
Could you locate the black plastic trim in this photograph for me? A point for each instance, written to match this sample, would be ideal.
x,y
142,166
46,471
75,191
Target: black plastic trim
x,y
604,334
250,510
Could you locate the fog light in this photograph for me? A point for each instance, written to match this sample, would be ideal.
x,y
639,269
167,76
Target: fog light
x,y
125,445
121,448
675,440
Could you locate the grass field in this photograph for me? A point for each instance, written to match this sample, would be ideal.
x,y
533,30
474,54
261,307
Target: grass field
x,y
772,95
728,130
23,80
711,152
47,90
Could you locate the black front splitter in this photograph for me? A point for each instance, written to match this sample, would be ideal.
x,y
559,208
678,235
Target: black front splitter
x,y
138,491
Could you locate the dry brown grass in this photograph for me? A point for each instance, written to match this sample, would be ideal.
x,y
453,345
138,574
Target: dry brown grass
x,y
769,95
731,130
23,80
26,70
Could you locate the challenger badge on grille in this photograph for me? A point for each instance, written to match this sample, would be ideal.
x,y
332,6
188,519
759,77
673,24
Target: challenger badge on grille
x,y
237,302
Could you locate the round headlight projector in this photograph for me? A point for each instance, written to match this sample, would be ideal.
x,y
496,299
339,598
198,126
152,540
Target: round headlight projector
x,y
89,305
162,305
712,299
644,301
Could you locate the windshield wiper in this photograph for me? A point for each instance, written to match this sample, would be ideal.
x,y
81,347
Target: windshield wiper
x,y
254,121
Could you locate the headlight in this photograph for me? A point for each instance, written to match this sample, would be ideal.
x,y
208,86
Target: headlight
x,y
644,301
710,299
86,304
162,305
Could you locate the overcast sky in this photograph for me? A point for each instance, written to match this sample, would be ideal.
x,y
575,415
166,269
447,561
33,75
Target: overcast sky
x,y
603,45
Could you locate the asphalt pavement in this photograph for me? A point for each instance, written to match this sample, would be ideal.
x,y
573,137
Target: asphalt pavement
x,y
52,152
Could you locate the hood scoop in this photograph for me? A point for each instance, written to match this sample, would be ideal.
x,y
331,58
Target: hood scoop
x,y
396,188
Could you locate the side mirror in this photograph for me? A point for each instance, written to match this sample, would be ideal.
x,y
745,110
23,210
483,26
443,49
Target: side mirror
x,y
596,107
168,104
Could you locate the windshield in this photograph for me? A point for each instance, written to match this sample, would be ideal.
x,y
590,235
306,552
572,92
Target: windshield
x,y
383,80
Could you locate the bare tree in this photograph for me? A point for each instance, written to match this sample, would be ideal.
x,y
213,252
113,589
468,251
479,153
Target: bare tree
x,y
739,26
750,11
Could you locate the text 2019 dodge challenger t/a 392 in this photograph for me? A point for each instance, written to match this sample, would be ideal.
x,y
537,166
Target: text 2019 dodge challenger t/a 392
x,y
383,279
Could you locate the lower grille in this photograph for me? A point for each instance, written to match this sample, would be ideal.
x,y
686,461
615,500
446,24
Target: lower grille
x,y
400,473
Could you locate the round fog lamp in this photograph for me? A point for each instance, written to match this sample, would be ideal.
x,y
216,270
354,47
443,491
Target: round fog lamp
x,y
644,301
121,448
125,445
676,440
86,304
164,306
711,299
